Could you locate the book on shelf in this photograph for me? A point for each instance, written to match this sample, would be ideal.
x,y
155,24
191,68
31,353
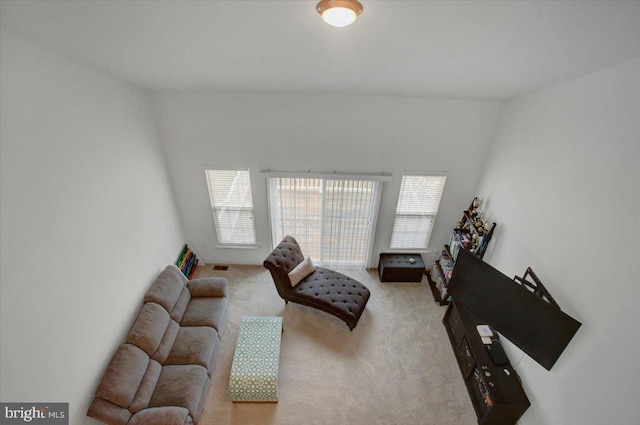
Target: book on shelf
x,y
446,264
182,254
438,280
457,240
188,264
435,274
454,248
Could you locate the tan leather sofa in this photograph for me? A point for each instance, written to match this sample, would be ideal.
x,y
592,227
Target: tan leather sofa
x,y
161,374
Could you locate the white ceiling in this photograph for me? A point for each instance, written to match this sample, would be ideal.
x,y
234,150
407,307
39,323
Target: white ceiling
x,y
471,49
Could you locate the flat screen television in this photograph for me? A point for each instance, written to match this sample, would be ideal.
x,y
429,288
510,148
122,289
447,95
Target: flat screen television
x,y
538,328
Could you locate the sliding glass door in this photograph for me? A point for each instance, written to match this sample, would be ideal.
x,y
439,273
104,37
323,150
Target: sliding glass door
x,y
332,219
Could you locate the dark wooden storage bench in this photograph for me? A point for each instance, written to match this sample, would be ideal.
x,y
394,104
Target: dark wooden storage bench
x,y
398,267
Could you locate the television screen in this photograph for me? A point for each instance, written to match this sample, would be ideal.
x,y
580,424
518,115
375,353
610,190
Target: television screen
x,y
537,327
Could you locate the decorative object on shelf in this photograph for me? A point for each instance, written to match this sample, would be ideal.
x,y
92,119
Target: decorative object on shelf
x,y
339,13
473,233
476,227
187,261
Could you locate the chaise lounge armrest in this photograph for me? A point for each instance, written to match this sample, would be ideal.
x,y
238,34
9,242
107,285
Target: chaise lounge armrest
x,y
167,415
208,287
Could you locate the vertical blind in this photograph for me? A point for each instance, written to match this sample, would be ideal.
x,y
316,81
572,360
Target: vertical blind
x,y
232,206
331,219
416,211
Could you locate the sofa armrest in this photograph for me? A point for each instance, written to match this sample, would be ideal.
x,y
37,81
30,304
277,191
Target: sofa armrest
x,y
208,287
107,412
166,415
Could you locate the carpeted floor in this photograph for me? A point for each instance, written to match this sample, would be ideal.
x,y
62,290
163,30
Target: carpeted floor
x,y
396,367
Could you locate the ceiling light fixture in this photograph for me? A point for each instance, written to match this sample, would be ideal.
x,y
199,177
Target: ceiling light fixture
x,y
339,13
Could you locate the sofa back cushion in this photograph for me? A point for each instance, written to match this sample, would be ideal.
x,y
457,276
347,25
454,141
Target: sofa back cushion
x,y
166,289
149,328
123,376
147,387
181,305
174,269
167,342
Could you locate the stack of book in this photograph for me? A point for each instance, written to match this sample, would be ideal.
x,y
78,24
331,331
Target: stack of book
x,y
438,279
446,264
458,240
187,261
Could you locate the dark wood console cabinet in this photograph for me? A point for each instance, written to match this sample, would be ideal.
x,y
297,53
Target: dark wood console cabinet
x,y
495,390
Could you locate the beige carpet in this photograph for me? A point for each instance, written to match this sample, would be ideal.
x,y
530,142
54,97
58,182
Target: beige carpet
x,y
396,367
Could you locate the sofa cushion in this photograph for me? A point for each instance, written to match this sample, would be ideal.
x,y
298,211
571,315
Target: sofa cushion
x,y
149,327
181,305
194,345
107,412
167,342
182,386
123,376
176,270
302,270
208,287
147,386
206,311
168,415
334,293
165,290
203,398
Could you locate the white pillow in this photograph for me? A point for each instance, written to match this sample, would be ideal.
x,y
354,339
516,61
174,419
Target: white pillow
x,y
302,270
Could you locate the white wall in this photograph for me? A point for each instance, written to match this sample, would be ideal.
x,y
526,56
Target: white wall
x,y
563,184
87,221
320,133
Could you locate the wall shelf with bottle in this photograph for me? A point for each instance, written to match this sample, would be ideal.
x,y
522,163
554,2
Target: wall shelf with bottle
x,y
473,232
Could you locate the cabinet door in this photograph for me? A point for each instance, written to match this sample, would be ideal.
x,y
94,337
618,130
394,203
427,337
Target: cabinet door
x,y
483,399
465,359
455,326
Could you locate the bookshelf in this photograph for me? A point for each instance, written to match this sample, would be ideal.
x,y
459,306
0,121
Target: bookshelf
x,y
473,232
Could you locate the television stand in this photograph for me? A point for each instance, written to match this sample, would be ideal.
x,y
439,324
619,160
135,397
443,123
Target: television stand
x,y
495,389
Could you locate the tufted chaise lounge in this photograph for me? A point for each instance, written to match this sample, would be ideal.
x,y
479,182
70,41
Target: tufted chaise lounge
x,y
323,289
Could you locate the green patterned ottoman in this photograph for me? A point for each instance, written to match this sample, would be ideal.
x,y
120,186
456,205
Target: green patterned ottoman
x,y
254,371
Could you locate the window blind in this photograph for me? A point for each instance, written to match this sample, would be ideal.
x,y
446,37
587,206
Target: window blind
x,y
232,206
416,211
330,218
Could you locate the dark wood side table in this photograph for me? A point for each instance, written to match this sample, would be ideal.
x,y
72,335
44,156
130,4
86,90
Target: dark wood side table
x,y
400,267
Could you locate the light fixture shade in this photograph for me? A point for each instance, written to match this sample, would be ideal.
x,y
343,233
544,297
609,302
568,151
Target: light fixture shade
x,y
339,13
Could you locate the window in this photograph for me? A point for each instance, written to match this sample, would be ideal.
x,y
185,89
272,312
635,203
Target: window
x,y
331,219
232,206
416,211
